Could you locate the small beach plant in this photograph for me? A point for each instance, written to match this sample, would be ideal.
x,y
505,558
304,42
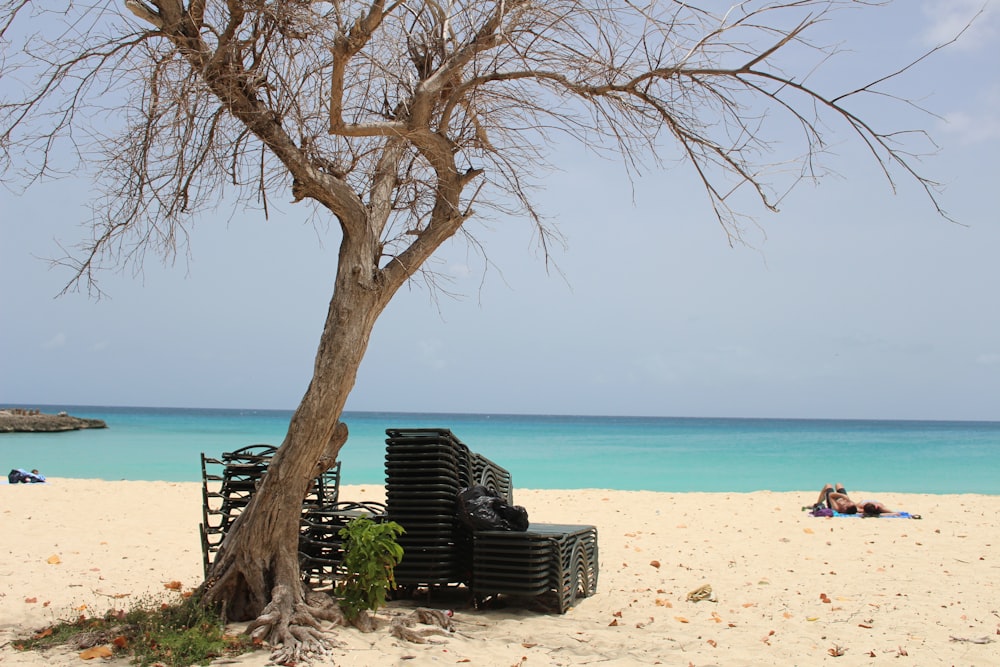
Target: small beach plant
x,y
371,554
152,632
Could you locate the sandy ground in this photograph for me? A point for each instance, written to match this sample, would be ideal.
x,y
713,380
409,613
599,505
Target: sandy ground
x,y
789,589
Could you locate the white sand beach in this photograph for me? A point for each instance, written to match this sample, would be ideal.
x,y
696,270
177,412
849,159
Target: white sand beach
x,y
789,589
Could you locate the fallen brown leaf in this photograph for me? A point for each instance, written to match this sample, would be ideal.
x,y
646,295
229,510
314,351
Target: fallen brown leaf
x,y
655,563
31,600
173,586
54,560
96,652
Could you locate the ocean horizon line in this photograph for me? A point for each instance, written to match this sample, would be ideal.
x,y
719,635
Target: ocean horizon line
x,y
501,415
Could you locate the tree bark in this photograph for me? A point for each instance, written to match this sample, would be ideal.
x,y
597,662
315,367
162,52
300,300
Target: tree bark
x,y
256,574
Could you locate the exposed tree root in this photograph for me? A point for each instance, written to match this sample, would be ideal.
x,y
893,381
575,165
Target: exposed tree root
x,y
298,629
293,627
403,627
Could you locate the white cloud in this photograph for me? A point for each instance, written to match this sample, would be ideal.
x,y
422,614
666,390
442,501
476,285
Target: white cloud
x,y
59,340
988,359
972,129
947,18
430,354
459,270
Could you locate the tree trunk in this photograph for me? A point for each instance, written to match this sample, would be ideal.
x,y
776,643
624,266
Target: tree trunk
x,y
256,572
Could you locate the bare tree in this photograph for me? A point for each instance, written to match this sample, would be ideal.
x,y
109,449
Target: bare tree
x,y
401,119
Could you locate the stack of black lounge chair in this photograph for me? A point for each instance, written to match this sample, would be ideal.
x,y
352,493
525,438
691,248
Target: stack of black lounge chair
x,y
545,559
321,549
228,484
425,470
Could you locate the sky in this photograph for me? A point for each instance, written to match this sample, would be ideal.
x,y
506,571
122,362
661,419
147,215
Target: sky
x,y
853,302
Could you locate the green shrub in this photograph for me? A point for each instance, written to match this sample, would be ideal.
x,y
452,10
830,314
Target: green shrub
x,y
371,554
151,632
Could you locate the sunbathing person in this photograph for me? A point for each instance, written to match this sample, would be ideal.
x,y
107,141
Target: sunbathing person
x,y
875,508
836,498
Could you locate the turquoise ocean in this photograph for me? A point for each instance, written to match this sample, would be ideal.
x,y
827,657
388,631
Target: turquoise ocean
x,y
551,452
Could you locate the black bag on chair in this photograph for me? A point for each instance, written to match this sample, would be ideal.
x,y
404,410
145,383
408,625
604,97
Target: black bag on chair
x,y
481,508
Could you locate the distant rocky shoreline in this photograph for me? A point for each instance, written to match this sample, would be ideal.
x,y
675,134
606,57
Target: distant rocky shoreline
x,y
19,420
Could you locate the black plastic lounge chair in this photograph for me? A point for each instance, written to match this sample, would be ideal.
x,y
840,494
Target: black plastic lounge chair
x,y
425,470
545,559
321,550
228,484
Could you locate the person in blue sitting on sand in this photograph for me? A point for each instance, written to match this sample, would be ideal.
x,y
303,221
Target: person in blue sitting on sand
x,y
18,475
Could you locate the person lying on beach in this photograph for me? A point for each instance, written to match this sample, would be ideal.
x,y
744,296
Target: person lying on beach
x,y
836,498
24,477
875,508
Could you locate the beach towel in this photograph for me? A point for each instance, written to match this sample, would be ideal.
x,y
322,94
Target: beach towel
x,y
896,515
819,510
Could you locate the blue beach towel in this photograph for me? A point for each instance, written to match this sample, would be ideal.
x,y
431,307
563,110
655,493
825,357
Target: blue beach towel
x,y
827,512
897,515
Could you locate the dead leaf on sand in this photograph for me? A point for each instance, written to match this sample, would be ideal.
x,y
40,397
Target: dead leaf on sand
x,y
96,652
54,560
173,585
